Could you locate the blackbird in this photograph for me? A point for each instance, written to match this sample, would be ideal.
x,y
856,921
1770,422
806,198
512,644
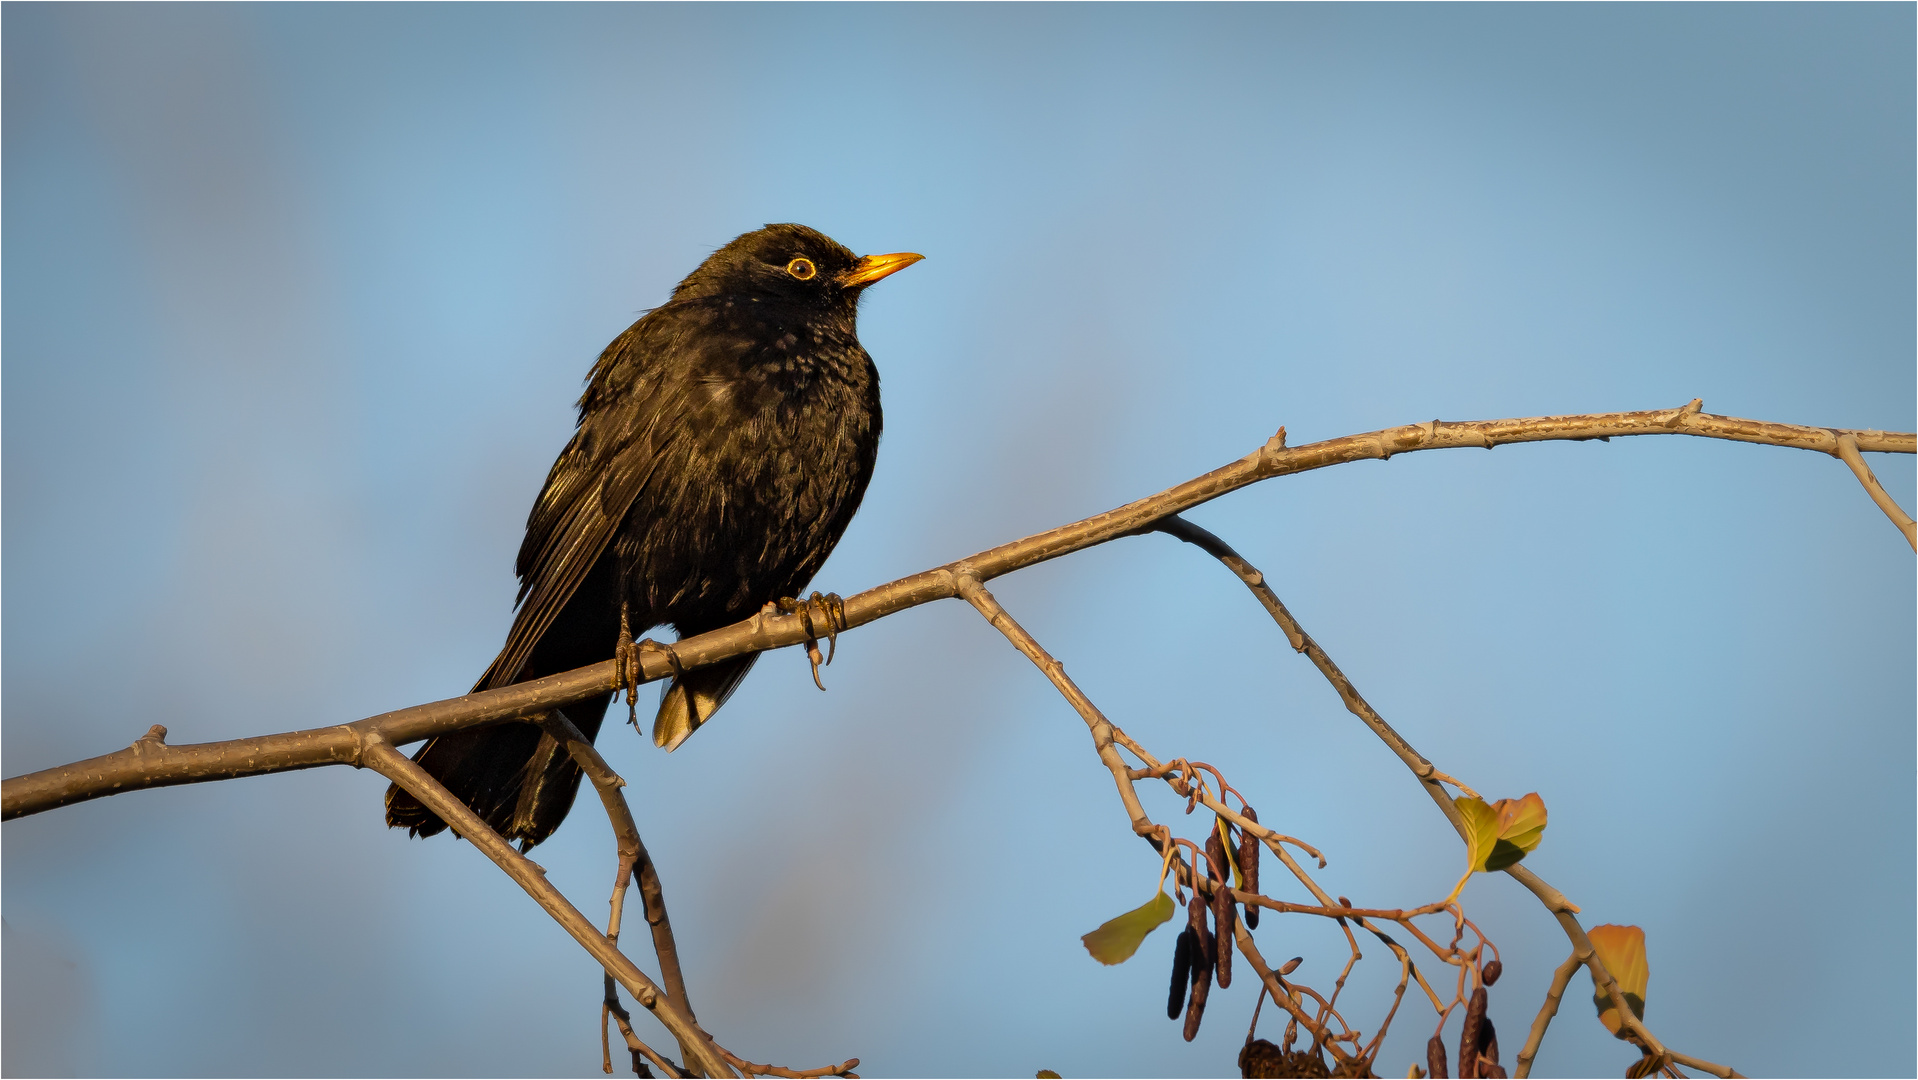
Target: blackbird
x,y
724,442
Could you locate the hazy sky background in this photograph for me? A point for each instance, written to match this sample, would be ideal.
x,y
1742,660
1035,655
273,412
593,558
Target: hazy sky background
x,y
298,300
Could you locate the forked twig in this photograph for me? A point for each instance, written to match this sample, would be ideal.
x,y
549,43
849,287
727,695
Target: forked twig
x,y
1848,453
633,861
975,593
1564,910
383,758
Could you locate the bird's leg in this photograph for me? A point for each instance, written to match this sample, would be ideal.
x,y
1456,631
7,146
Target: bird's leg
x,y
627,653
832,613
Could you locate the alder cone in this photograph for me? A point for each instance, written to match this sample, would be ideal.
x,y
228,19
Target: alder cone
x,y
1222,906
1195,1008
1435,1057
1205,954
1181,973
1468,1035
1262,1058
1249,867
1491,972
1488,1065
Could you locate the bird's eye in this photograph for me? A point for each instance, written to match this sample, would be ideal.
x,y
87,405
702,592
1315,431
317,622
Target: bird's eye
x,y
803,269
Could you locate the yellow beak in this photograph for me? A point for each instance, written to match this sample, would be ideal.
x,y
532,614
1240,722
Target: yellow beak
x,y
873,267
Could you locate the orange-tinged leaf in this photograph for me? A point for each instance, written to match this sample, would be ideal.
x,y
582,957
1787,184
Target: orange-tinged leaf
x,y
1500,834
1622,950
1116,940
1521,821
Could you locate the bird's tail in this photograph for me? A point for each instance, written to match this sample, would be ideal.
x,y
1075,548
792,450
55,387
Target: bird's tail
x,y
513,775
693,697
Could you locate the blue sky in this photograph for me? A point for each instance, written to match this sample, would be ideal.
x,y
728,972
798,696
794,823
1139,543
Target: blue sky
x,y
298,299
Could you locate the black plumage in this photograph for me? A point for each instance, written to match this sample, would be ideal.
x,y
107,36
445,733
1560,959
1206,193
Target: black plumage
x,y
724,442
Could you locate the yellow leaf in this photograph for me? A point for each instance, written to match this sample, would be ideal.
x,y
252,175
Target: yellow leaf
x,y
1116,940
1231,854
1501,833
1622,950
1481,831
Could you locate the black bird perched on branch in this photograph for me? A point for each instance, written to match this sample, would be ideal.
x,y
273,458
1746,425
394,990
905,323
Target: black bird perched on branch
x,y
724,442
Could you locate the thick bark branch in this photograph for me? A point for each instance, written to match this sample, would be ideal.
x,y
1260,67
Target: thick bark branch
x,y
150,763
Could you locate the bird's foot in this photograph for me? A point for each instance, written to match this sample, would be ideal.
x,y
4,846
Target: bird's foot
x,y
627,653
819,609
631,667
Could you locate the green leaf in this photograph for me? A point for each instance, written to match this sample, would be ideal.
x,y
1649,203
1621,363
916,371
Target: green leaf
x,y
1118,939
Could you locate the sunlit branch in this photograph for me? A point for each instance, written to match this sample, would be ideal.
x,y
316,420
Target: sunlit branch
x,y
160,766
1848,453
1562,909
381,757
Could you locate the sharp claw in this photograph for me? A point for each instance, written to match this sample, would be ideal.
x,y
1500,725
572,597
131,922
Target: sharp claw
x,y
825,601
812,654
818,608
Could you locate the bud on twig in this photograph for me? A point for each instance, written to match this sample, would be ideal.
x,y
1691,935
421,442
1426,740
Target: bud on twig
x,y
1435,1057
1249,867
1292,965
1491,972
1181,972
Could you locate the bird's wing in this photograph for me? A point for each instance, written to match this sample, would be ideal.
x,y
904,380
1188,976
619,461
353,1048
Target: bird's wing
x,y
592,486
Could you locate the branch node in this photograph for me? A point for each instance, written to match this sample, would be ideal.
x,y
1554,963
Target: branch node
x,y
1686,412
1847,452
1274,444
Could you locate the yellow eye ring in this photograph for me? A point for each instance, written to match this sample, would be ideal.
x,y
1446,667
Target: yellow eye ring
x,y
803,269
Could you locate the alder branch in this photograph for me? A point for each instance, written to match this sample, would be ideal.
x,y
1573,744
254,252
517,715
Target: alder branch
x,y
157,765
383,758
1555,902
1555,994
975,593
632,859
1848,453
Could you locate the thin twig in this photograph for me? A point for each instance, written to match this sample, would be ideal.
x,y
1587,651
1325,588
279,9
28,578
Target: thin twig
x,y
976,594
1725,1071
128,770
632,859
969,587
1548,1009
1281,992
381,757
637,1045
1555,902
1848,453
844,1068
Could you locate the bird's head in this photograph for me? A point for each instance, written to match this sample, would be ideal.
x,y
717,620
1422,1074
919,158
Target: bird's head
x,y
792,264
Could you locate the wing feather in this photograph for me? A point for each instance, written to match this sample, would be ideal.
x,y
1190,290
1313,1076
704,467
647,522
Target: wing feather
x,y
592,487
